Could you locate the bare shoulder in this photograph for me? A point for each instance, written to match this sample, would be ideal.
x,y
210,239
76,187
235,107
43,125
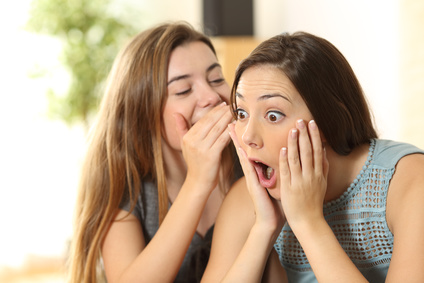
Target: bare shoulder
x,y
408,176
412,163
238,195
236,208
405,217
406,186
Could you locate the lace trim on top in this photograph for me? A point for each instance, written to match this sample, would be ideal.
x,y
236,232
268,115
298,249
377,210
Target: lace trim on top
x,y
357,218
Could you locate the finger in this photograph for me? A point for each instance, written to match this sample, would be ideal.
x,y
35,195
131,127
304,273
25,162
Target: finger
x,y
204,126
248,169
317,147
305,148
181,125
220,125
221,142
232,132
293,154
326,164
284,167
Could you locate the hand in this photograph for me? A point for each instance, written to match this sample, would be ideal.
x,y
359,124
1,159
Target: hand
x,y
203,143
267,209
303,174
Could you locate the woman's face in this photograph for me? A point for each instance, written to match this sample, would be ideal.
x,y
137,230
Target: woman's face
x,y
268,106
195,85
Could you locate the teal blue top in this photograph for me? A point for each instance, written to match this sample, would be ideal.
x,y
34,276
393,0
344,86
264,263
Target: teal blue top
x,y
357,218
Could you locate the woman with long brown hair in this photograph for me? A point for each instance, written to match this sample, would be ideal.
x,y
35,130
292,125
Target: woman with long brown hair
x,y
324,199
158,163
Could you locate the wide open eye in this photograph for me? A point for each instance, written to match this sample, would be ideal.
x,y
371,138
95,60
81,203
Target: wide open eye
x,y
274,116
241,114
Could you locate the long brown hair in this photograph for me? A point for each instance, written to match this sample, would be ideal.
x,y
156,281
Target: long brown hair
x,y
125,145
326,82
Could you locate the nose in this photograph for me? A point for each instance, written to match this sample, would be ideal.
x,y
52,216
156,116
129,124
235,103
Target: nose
x,y
251,136
208,97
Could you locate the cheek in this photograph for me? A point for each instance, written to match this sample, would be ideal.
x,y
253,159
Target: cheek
x,y
276,141
225,92
275,192
169,126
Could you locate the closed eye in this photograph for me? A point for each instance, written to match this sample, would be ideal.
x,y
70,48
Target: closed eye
x,y
183,92
217,81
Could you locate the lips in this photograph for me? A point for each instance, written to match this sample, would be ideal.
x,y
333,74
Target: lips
x,y
266,174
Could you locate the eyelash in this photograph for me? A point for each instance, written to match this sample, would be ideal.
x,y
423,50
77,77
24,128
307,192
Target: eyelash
x,y
275,113
238,110
183,92
217,82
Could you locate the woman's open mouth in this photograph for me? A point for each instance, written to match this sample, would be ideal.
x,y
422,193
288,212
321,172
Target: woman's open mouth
x,y
266,174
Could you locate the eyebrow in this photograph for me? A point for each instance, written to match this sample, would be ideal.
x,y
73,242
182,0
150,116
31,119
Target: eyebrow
x,y
265,96
182,77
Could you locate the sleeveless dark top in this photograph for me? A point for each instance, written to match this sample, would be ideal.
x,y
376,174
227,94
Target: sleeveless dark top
x,y
147,212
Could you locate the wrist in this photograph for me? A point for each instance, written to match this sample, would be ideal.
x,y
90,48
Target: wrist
x,y
269,231
201,181
194,188
308,226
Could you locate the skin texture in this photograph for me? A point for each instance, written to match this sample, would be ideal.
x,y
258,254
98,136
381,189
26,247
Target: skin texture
x,y
195,120
275,127
278,106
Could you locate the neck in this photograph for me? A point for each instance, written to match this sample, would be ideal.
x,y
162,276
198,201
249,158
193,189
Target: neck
x,y
343,170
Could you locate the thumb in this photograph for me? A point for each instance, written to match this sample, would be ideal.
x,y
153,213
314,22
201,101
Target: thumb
x,y
181,125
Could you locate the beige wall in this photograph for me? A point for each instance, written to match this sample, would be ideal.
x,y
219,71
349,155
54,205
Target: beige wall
x,y
411,71
230,51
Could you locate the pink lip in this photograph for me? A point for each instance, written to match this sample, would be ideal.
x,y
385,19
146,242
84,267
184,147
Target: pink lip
x,y
266,183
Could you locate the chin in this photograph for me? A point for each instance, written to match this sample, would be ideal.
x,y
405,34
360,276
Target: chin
x,y
274,192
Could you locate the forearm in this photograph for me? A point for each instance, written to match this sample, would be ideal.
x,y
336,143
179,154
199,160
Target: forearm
x,y
161,259
250,263
327,258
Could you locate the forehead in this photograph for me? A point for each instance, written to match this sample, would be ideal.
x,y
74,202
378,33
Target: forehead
x,y
261,80
189,56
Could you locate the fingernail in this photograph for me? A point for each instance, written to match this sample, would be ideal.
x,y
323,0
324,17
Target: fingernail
x,y
284,151
312,124
300,124
294,133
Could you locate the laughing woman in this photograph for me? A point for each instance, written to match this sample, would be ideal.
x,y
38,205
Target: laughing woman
x,y
323,199
158,163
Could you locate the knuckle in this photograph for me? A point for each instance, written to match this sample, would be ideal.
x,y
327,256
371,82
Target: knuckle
x,y
294,160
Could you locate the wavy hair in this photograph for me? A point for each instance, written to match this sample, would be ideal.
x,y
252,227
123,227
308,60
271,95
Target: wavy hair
x,y
326,82
125,144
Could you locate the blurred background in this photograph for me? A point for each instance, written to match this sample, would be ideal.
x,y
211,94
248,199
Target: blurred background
x,y
54,57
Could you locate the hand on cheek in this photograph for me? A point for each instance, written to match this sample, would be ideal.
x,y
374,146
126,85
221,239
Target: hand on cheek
x,y
303,174
267,210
